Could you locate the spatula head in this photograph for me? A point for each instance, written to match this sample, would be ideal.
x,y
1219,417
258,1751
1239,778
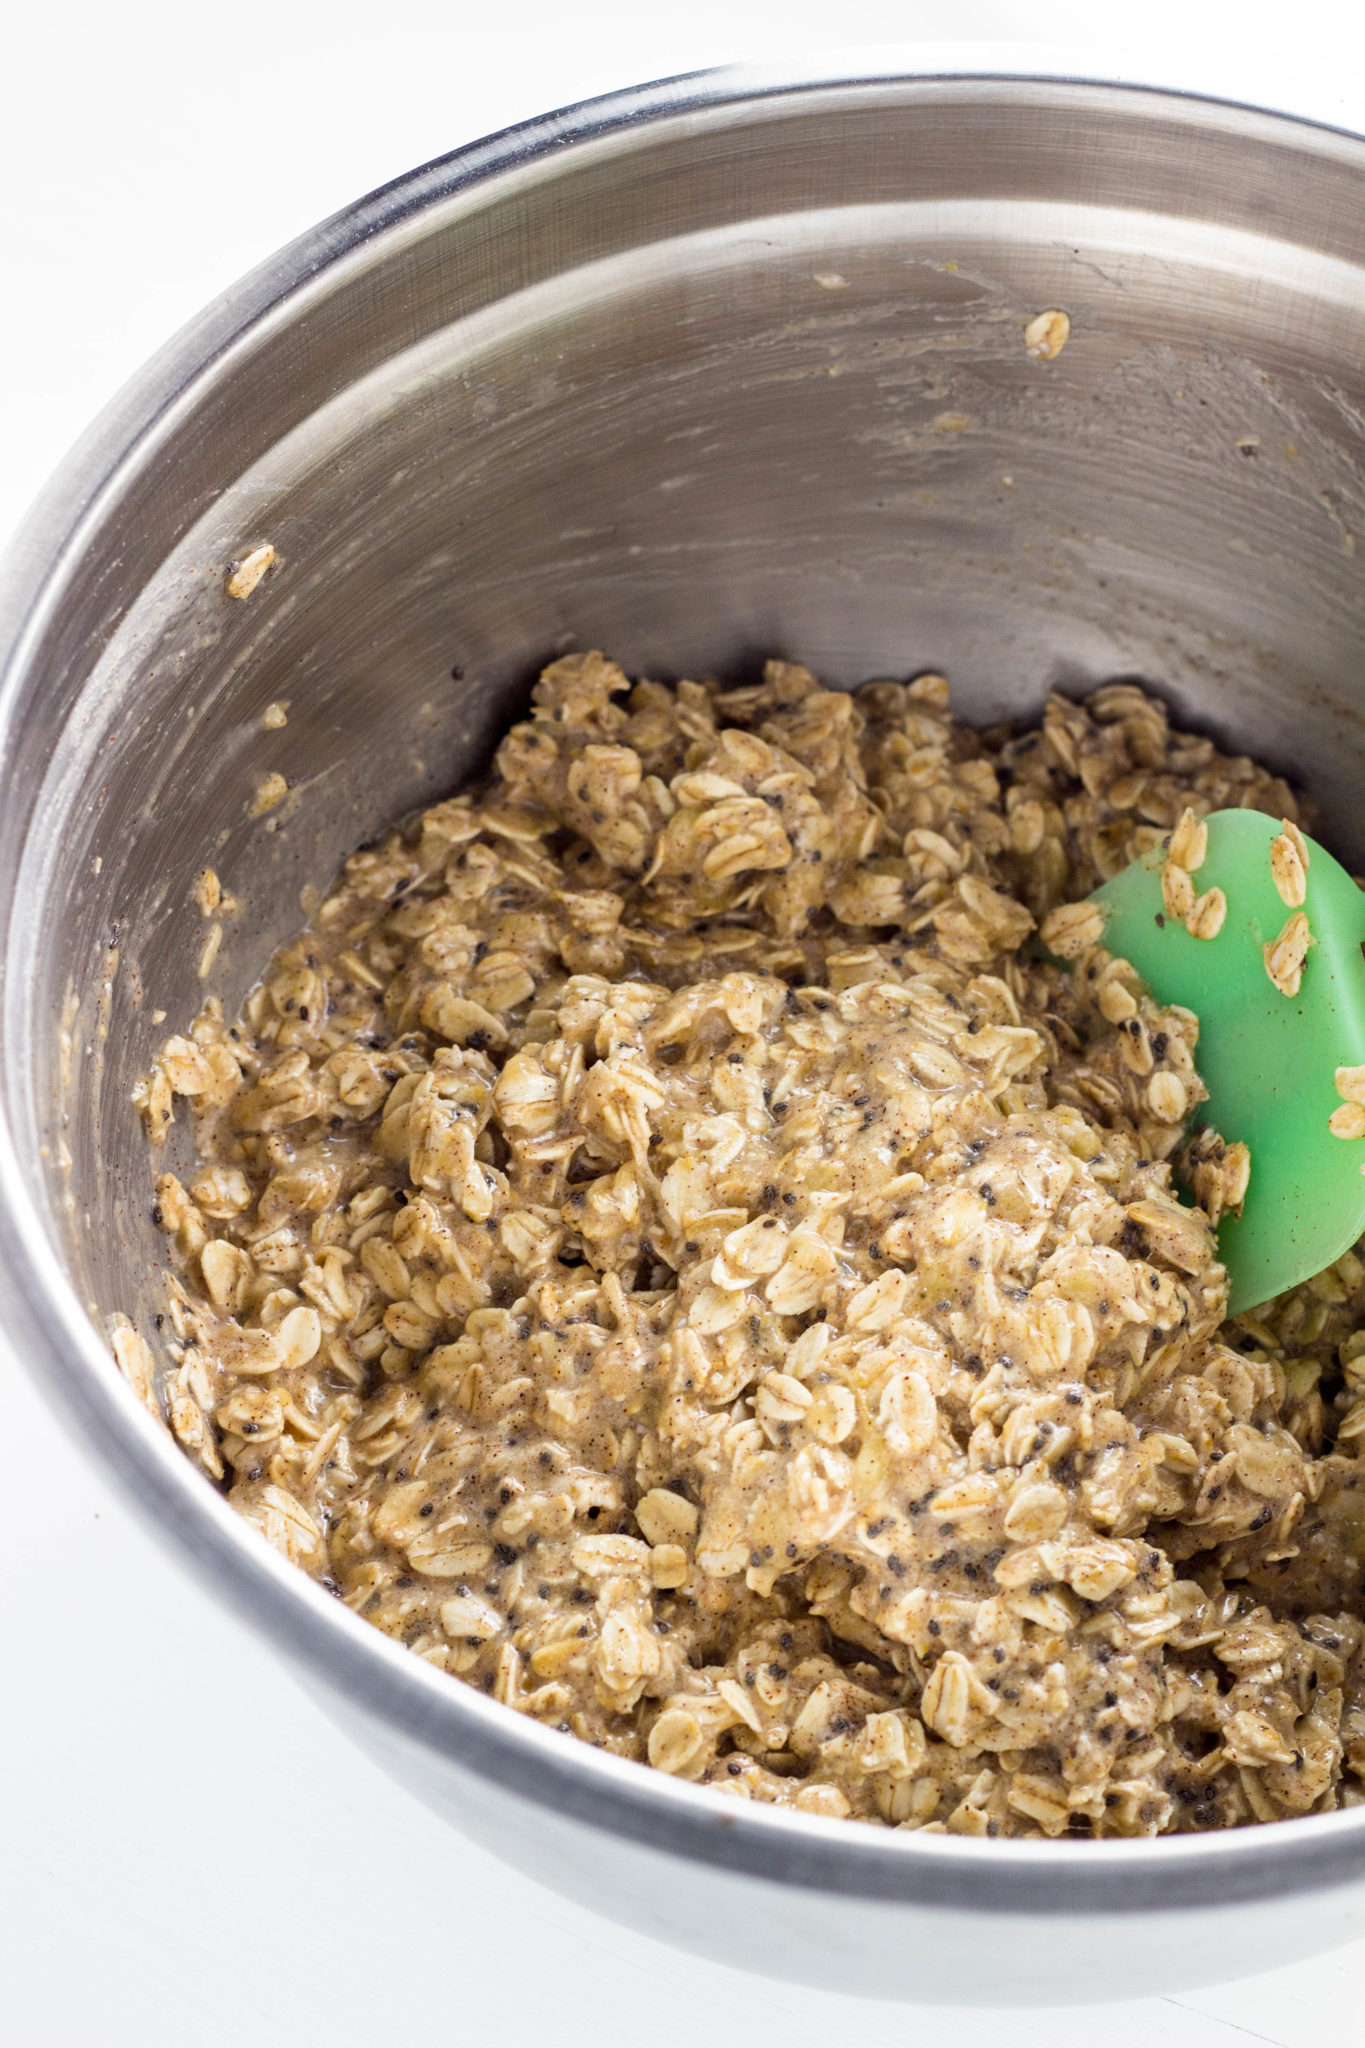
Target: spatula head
x,y
1268,1059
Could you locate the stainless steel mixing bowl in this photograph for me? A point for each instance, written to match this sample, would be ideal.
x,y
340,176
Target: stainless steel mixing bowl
x,y
710,370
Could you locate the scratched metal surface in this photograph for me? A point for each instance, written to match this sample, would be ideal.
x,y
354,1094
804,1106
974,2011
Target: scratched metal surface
x,y
746,376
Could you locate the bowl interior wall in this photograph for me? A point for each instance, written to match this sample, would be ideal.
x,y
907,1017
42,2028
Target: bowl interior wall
x,y
755,385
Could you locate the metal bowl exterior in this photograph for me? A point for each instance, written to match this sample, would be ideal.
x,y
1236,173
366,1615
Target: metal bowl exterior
x,y
719,368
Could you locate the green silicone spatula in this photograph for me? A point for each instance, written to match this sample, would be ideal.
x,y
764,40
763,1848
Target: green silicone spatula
x,y
1269,1058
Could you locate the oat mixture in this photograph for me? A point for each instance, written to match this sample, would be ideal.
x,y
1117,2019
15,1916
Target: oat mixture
x,y
668,1249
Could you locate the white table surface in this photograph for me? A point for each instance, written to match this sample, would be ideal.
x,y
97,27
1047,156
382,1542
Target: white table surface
x,y
190,1855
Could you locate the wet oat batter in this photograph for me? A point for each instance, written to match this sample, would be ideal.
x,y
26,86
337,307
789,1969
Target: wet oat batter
x,y
668,1250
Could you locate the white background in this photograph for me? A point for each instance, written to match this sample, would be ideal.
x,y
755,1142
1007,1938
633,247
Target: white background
x,y
189,1854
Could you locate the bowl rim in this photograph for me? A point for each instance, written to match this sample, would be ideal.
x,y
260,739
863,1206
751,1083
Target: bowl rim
x,y
42,1320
